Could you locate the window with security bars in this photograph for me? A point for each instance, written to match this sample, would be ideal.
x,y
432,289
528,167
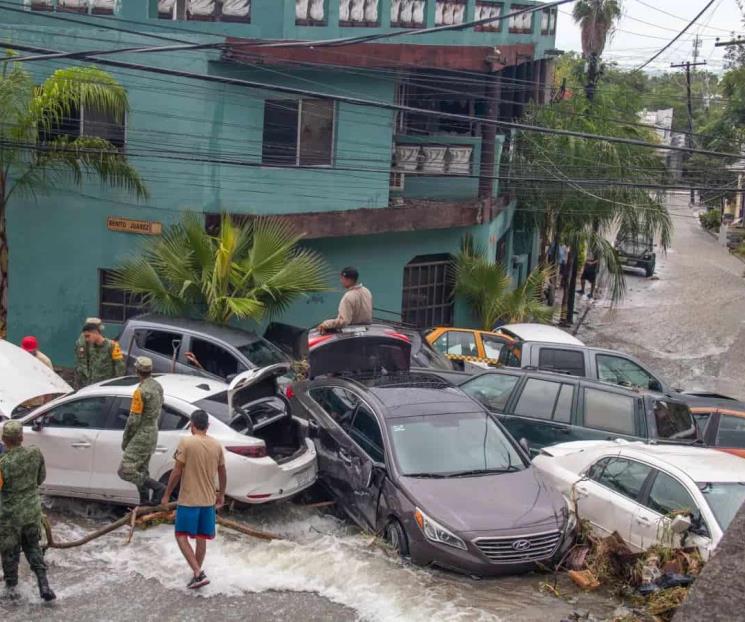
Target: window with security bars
x,y
115,304
428,291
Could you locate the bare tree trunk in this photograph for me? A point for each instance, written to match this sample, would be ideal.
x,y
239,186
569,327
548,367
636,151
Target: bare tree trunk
x,y
3,273
571,289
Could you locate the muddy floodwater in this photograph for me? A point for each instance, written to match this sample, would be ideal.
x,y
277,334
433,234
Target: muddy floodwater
x,y
325,570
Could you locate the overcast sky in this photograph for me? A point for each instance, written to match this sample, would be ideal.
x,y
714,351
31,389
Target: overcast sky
x,y
647,25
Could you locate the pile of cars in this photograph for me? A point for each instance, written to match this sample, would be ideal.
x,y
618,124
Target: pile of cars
x,y
479,470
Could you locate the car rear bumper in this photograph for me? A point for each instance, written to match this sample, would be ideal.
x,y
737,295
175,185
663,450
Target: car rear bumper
x,y
262,480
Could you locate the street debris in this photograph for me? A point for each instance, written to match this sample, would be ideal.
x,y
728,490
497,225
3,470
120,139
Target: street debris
x,y
143,516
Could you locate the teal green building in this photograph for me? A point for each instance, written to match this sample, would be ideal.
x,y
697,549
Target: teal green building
x,y
389,190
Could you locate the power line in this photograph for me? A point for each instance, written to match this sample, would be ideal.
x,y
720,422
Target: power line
x,y
356,101
678,36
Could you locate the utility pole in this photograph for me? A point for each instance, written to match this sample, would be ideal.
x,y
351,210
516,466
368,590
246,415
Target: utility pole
x,y
687,65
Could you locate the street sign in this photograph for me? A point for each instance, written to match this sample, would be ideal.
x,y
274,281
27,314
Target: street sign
x,y
127,225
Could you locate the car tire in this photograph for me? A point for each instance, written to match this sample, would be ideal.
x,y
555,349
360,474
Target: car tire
x,y
395,536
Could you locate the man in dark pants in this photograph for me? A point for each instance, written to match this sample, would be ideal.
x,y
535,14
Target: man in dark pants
x,y
22,471
589,273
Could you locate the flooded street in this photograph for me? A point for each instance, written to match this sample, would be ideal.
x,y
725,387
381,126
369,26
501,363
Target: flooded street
x,y
688,323
325,570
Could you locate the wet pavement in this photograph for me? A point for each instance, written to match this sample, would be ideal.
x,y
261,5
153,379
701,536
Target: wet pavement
x,y
326,570
688,321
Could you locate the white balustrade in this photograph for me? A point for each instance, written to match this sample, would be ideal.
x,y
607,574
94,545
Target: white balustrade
x,y
407,157
434,159
201,8
459,160
240,9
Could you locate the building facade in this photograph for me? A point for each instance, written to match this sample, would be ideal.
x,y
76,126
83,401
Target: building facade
x,y
383,152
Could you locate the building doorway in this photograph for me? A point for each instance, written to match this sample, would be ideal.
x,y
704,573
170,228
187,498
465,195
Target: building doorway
x,y
427,298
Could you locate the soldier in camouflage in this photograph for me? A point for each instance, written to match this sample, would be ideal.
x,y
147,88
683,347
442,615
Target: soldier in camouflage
x,y
141,434
103,357
21,473
82,355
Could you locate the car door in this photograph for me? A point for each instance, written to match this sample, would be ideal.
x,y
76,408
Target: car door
x,y
106,483
360,455
331,408
667,496
491,346
212,359
68,440
609,494
623,371
531,413
607,414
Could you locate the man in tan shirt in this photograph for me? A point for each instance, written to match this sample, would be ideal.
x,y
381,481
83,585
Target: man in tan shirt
x,y
199,459
356,305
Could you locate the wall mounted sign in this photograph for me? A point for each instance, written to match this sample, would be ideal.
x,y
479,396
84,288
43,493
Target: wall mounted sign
x,y
127,225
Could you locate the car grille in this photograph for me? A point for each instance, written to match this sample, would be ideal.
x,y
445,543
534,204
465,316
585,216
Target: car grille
x,y
515,550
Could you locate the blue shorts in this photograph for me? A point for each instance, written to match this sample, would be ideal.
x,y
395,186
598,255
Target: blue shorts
x,y
195,522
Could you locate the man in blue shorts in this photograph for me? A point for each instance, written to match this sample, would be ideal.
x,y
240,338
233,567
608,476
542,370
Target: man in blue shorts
x,y
199,461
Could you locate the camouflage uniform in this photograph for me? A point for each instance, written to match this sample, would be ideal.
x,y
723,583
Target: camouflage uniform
x,y
82,352
22,471
141,437
103,362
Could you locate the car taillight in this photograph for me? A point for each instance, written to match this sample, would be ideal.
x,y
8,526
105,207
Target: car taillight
x,y
289,392
314,341
395,335
249,451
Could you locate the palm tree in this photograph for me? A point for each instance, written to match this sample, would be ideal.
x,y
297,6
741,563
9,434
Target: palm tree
x,y
31,164
596,19
245,271
486,287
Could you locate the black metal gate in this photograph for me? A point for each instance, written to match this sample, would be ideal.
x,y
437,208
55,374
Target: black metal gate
x,y
428,291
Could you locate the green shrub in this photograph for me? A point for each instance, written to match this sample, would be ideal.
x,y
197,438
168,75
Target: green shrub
x,y
711,219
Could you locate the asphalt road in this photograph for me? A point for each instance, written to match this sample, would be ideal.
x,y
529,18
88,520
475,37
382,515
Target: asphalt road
x,y
688,321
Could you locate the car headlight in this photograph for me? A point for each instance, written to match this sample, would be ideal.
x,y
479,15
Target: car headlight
x,y
435,532
571,516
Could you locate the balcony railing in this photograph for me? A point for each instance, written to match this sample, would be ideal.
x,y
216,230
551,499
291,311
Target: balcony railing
x,y
310,12
359,12
489,9
205,10
96,7
408,13
433,159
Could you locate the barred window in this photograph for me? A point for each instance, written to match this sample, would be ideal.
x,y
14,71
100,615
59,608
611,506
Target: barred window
x,y
114,304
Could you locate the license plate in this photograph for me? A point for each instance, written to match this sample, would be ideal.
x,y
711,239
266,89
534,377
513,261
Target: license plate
x,y
305,477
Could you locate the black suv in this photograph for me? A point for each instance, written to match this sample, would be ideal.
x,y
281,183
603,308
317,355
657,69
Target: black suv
x,y
637,251
549,408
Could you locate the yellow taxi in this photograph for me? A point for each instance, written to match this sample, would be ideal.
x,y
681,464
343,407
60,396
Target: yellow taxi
x,y
481,347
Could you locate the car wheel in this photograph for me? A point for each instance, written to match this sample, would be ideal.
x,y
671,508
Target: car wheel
x,y
395,536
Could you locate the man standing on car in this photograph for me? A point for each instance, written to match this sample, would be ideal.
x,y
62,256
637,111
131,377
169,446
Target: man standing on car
x,y
199,458
22,471
104,357
141,434
356,305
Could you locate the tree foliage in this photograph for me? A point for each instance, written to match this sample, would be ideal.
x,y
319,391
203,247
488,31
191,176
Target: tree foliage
x,y
245,271
34,158
487,288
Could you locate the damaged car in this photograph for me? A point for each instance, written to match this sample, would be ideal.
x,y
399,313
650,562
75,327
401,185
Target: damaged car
x,y
410,457
267,452
669,495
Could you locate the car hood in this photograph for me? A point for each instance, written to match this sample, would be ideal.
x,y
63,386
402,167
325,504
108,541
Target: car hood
x,y
23,377
502,501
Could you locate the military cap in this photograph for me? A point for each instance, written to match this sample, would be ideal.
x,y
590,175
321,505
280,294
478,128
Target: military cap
x,y
143,363
13,430
93,323
94,320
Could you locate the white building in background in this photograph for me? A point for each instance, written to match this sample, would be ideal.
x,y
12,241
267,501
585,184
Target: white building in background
x,y
661,121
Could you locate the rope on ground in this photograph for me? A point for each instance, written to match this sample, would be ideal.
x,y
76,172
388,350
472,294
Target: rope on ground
x,y
141,515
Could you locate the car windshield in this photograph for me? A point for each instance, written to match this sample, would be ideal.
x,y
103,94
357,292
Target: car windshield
x,y
674,421
451,445
724,499
261,353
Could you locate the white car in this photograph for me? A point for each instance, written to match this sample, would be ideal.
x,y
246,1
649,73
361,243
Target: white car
x,y
544,333
638,490
268,455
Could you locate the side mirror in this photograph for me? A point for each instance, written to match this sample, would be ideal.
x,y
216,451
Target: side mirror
x,y
523,442
313,431
374,474
37,425
655,385
680,524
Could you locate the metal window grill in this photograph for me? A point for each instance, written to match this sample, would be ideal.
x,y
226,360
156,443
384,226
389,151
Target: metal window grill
x,y
428,292
114,304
